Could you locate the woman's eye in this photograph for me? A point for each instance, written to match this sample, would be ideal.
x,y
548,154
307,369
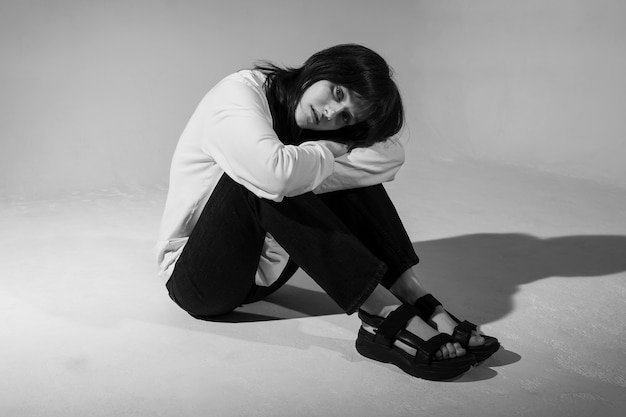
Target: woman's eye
x,y
345,117
339,93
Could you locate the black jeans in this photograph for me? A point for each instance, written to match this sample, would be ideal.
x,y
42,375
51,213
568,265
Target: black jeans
x,y
347,241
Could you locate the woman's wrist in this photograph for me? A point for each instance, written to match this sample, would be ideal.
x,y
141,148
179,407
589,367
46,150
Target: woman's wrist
x,y
336,148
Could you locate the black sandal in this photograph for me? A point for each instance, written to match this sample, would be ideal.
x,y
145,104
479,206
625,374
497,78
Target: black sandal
x,y
426,306
380,346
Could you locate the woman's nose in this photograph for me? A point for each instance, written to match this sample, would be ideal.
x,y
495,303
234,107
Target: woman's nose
x,y
329,112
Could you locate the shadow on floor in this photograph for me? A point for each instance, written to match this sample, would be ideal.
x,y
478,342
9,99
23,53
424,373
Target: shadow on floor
x,y
288,302
464,270
487,269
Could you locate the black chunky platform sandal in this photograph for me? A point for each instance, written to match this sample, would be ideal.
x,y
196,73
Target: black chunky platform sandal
x,y
380,346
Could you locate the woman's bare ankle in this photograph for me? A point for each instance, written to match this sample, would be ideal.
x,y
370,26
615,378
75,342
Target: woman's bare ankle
x,y
381,302
408,287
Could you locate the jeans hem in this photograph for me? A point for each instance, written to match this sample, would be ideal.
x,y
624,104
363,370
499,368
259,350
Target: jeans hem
x,y
377,277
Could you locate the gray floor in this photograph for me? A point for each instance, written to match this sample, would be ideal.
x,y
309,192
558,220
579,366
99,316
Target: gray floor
x,y
88,330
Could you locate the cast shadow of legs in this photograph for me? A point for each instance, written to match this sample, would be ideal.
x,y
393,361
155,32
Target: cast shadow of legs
x,y
486,269
476,276
288,302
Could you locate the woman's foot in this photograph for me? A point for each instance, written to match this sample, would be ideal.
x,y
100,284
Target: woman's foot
x,y
409,289
464,332
391,338
382,302
442,321
424,331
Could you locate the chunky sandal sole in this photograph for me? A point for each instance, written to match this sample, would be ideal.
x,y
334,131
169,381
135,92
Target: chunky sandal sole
x,y
437,370
484,351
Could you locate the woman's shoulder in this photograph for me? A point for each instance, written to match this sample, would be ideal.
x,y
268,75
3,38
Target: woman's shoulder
x,y
252,79
240,87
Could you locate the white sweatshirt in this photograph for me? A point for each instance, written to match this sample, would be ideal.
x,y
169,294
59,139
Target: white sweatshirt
x,y
231,131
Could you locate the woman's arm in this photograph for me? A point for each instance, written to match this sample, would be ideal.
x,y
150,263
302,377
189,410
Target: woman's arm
x,y
238,135
365,166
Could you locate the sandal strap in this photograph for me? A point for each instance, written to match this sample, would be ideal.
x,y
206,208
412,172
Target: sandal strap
x,y
428,303
393,327
396,321
463,332
389,328
423,311
426,306
426,349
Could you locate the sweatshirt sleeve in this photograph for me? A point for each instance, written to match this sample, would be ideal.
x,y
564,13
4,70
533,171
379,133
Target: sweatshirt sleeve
x,y
238,135
363,167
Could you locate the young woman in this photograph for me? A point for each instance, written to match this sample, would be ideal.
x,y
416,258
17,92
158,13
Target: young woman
x,y
280,168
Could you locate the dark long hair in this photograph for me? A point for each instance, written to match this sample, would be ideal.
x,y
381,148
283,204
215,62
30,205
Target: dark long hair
x,y
353,66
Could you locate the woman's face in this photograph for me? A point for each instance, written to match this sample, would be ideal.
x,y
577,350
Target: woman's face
x,y
328,106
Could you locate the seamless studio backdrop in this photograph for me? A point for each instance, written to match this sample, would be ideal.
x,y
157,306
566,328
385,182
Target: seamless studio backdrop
x,y
95,94
513,193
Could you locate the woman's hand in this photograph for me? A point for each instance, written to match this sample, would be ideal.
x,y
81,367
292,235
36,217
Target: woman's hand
x,y
336,148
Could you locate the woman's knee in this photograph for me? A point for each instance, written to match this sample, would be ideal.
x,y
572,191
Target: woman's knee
x,y
201,306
